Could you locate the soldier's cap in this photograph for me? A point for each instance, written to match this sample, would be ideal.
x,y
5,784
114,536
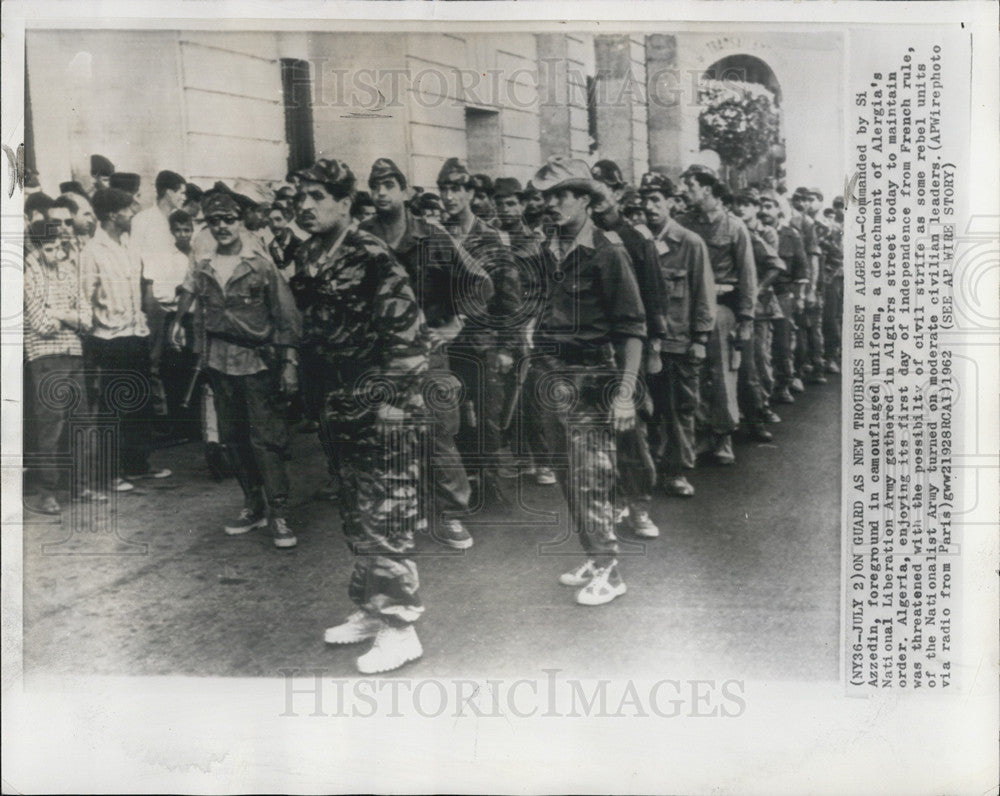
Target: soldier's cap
x,y
655,182
72,186
801,193
125,181
507,186
747,198
100,166
607,171
560,173
429,201
817,193
700,168
481,183
110,200
454,172
335,174
221,200
382,169
631,200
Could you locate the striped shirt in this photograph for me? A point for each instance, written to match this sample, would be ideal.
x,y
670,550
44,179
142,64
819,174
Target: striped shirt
x,y
112,282
49,291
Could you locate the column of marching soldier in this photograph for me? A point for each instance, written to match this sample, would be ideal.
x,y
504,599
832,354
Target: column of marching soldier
x,y
575,330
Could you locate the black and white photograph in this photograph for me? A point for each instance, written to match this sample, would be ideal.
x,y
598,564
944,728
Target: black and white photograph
x,y
474,373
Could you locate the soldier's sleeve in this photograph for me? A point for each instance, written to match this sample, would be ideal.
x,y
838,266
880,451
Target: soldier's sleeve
x,y
651,288
402,333
620,291
702,291
800,261
285,315
765,256
746,271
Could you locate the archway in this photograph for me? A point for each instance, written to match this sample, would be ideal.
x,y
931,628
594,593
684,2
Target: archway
x,y
734,78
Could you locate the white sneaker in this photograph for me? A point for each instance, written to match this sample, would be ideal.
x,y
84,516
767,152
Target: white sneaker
x,y
606,584
360,626
580,576
393,647
545,476
642,525
121,485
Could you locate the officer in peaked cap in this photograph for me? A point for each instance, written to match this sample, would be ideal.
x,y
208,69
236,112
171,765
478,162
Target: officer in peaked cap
x,y
101,170
608,172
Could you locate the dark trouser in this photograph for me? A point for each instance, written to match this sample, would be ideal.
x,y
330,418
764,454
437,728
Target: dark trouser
x,y
444,485
572,400
675,399
833,317
171,371
125,392
311,387
59,393
379,485
809,346
483,383
750,389
783,347
718,410
253,428
636,470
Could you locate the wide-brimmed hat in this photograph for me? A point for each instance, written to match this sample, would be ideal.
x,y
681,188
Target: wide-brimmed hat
x,y
561,173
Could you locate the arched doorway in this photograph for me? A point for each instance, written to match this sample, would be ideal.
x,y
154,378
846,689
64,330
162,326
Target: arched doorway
x,y
741,119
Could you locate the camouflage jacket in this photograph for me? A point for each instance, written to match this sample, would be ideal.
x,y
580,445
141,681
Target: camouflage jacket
x,y
361,319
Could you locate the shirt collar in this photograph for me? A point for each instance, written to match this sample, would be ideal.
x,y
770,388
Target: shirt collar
x,y
584,239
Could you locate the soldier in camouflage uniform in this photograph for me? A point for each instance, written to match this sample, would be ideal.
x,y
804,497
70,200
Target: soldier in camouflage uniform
x,y
361,316
809,348
448,286
482,356
583,397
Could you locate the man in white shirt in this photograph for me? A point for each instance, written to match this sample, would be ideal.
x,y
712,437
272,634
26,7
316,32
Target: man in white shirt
x,y
162,273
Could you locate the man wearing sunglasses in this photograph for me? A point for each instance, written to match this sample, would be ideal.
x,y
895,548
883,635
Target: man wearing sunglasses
x,y
246,328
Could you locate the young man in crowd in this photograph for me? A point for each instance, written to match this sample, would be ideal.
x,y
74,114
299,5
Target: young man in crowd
x,y
112,284
580,394
247,328
53,324
637,471
163,272
363,321
482,355
285,244
809,348
447,284
731,254
689,317
790,289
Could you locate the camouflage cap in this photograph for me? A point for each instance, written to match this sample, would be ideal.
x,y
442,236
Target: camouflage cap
x,y
221,199
383,169
453,172
654,181
481,183
335,174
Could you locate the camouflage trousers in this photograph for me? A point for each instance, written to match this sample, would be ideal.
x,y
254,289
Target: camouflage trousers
x,y
571,403
379,478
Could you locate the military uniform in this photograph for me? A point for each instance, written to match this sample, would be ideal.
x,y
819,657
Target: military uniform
x,y
447,285
362,320
731,254
809,342
833,299
786,287
591,301
689,316
242,325
475,353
